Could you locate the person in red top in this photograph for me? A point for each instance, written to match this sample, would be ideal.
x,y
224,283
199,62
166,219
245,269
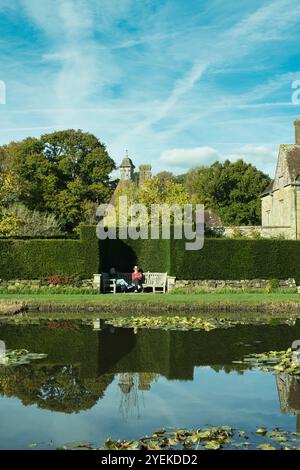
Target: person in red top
x,y
137,279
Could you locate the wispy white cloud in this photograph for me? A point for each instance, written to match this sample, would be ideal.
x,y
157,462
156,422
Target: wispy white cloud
x,y
181,159
154,77
186,158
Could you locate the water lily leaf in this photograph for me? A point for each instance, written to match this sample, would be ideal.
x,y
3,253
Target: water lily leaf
x,y
266,447
261,431
212,445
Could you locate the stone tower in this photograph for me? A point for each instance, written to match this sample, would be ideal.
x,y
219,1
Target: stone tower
x,y
126,169
297,131
145,173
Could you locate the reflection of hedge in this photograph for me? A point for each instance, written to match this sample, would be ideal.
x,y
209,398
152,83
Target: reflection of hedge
x,y
33,258
73,344
174,354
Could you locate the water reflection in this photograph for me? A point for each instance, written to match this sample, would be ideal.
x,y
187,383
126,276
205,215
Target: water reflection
x,y
289,395
83,360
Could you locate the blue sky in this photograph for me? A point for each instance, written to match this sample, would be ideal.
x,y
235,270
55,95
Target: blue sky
x,y
178,83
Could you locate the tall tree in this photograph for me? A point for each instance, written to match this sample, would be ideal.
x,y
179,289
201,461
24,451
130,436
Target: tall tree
x,y
60,172
230,189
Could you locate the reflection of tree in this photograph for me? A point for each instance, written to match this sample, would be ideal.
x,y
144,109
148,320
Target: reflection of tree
x,y
130,385
57,388
228,368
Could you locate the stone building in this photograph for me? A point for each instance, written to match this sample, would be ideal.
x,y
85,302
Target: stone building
x,y
280,201
145,173
126,169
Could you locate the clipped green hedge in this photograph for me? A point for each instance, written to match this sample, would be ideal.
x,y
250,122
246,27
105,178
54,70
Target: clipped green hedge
x,y
220,258
35,259
237,259
150,255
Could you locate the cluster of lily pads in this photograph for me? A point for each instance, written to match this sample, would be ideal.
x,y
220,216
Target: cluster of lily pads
x,y
215,438
172,323
278,361
19,357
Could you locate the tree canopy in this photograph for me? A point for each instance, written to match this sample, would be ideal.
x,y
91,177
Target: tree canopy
x,y
230,189
60,173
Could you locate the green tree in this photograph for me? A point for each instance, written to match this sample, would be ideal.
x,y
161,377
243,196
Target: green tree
x,y
164,177
18,220
230,189
156,191
60,172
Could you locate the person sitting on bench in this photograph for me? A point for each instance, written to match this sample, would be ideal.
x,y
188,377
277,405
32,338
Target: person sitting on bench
x,y
121,283
137,279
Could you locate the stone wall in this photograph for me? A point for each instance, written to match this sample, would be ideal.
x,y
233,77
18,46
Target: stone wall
x,y
280,211
256,231
233,284
40,283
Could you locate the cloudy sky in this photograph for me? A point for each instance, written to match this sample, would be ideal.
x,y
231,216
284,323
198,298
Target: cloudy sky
x,y
177,83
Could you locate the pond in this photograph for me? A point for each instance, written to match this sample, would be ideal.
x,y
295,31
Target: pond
x,y
100,381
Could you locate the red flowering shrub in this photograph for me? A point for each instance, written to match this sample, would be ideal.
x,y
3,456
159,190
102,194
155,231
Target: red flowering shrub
x,y
62,280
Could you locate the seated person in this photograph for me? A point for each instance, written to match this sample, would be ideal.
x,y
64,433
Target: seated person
x,y
137,279
121,283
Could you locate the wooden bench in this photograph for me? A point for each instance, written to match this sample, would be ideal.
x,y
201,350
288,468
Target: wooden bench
x,y
110,285
155,281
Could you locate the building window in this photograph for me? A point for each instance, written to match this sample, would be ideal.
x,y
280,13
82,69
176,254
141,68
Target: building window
x,y
281,212
281,182
268,216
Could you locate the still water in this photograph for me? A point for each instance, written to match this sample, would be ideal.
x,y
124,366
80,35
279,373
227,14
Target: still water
x,y
98,381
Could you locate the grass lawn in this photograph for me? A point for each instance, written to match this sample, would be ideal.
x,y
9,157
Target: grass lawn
x,y
203,298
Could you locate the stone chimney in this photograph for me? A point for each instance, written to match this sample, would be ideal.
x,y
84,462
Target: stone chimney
x,y
145,173
297,131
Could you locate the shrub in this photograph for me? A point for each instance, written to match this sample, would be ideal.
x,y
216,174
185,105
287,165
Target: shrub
x,y
62,280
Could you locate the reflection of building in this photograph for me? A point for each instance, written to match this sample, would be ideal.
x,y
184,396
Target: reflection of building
x,y
126,383
2,351
289,395
132,385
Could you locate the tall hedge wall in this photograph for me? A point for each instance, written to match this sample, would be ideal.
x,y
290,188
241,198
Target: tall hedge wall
x,y
151,255
219,259
237,259
34,258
